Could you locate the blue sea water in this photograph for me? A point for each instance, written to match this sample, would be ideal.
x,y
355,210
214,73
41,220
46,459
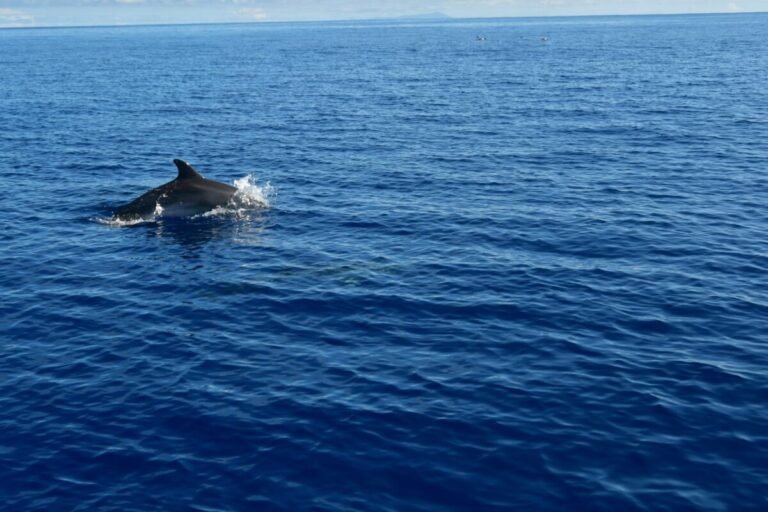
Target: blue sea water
x,y
521,273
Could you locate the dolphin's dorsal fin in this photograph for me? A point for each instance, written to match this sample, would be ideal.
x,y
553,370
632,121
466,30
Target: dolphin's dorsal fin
x,y
186,172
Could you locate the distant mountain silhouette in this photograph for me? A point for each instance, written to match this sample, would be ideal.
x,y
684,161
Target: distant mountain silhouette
x,y
424,16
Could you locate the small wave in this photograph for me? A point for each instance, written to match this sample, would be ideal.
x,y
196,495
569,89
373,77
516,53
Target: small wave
x,y
121,223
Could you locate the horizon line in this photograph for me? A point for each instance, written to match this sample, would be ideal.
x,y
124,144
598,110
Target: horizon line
x,y
402,19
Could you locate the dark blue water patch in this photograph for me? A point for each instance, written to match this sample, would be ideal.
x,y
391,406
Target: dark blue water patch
x,y
500,274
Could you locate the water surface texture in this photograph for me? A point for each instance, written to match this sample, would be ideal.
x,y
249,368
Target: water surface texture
x,y
504,274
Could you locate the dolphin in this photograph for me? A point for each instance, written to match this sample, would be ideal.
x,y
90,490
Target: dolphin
x,y
189,194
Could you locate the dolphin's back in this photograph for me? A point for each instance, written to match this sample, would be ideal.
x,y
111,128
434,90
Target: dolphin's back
x,y
189,194
143,206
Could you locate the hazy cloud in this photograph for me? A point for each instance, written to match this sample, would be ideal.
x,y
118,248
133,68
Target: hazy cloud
x,y
252,13
15,18
65,3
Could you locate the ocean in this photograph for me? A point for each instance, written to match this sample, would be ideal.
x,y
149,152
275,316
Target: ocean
x,y
494,265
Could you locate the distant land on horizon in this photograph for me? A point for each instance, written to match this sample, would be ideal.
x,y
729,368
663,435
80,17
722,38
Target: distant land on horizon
x,y
423,16
428,16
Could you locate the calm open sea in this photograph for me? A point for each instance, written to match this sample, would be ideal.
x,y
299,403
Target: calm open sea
x,y
528,272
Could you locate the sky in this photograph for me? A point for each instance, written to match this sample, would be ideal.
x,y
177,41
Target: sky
x,y
20,13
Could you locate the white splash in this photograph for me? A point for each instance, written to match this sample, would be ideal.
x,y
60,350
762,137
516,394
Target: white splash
x,y
253,195
119,223
248,197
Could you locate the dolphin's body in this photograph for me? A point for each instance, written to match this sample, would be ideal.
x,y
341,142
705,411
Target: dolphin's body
x,y
189,194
